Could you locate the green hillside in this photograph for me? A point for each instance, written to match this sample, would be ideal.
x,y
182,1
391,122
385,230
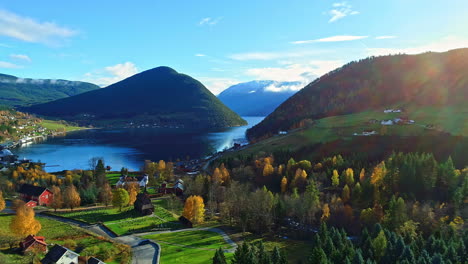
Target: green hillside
x,y
160,96
375,84
16,91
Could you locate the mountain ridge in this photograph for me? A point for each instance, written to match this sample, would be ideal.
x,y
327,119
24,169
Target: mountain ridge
x,y
16,91
374,83
158,96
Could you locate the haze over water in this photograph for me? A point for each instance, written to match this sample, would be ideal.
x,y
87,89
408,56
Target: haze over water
x,y
130,147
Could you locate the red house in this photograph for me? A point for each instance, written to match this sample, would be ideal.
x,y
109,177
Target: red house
x,y
30,194
33,243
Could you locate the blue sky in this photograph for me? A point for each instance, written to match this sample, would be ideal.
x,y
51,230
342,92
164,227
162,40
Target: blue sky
x,y
218,42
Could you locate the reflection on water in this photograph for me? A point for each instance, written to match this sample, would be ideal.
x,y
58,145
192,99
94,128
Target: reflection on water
x,y
130,147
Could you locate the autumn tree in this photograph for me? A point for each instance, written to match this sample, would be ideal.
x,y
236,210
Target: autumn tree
x,y
120,198
24,223
225,176
284,185
105,195
349,177
268,170
194,209
57,199
217,177
325,213
379,245
2,201
362,175
132,188
71,197
335,179
346,194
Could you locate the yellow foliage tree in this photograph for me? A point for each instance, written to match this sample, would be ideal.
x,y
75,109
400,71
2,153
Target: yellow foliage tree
x,y
362,175
161,165
2,202
378,174
268,170
132,189
194,209
335,179
349,177
225,176
325,213
57,201
284,184
24,223
217,176
71,197
280,169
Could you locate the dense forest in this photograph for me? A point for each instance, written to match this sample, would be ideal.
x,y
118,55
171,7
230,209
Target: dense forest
x,y
429,79
16,91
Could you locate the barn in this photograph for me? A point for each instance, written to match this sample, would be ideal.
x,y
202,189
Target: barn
x,y
35,195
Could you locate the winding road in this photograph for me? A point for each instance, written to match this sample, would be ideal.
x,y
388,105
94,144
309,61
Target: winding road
x,y
142,254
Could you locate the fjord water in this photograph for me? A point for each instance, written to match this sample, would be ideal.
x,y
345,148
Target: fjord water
x,y
129,147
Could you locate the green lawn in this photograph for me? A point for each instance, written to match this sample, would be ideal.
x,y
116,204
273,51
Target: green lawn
x,y
448,119
61,233
55,125
127,221
113,178
189,246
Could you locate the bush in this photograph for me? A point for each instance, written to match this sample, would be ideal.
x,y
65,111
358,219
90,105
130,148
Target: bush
x,y
69,243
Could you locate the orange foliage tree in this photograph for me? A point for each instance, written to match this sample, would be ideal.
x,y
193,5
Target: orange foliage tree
x,y
194,209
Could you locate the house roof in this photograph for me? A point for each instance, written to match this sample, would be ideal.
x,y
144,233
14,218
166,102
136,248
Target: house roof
x,y
55,253
31,190
31,240
93,260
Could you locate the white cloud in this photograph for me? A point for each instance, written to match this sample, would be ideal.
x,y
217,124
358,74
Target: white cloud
x,y
20,57
331,39
341,10
273,55
385,37
9,65
200,55
209,21
217,85
30,30
111,74
442,45
298,72
279,87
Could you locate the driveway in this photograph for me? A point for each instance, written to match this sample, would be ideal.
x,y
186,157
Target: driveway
x,y
142,254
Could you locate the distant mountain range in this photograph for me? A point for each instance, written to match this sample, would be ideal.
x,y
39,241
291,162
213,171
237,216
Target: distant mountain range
x,y
257,98
16,91
376,83
160,96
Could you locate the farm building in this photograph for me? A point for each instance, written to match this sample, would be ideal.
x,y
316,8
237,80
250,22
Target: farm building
x,y
178,188
34,244
35,195
143,204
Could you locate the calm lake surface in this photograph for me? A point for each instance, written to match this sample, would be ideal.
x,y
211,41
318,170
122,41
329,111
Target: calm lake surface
x,y
130,147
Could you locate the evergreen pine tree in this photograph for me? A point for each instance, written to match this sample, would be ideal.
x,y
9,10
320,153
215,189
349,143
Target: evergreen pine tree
x,y
219,257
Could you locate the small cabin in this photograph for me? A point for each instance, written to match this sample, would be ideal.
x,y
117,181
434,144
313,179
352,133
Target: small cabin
x,y
33,244
187,223
143,204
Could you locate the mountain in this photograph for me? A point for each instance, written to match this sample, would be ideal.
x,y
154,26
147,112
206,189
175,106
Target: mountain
x,y
160,96
376,83
256,98
16,91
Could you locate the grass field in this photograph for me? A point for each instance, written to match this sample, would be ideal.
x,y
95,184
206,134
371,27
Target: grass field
x,y
55,125
128,221
189,246
448,119
61,233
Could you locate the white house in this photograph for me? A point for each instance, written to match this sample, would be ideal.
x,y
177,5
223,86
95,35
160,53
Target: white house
x,y
392,111
142,180
60,255
386,122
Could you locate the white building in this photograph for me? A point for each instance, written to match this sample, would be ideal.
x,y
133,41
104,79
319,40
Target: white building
x,y
60,255
142,180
